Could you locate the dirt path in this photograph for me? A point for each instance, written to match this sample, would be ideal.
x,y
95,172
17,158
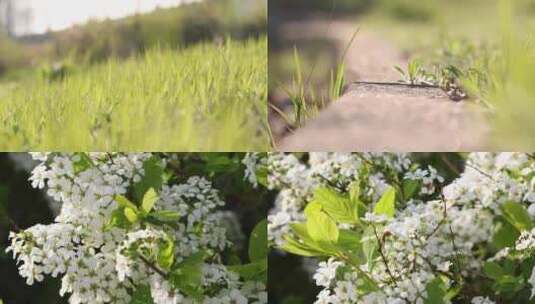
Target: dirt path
x,y
379,118
369,57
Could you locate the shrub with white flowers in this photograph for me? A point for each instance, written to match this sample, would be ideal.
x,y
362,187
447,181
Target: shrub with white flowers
x,y
387,230
130,232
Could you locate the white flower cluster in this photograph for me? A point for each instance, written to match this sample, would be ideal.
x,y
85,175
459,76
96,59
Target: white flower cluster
x,y
252,163
482,300
296,180
94,261
490,180
431,238
526,241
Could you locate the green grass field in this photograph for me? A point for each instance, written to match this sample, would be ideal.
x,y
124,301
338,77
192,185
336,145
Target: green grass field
x,y
204,98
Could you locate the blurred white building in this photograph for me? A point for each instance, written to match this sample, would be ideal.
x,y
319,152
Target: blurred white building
x,y
40,16
15,16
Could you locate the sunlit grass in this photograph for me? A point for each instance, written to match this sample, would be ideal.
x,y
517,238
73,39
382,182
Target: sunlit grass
x,y
204,98
510,78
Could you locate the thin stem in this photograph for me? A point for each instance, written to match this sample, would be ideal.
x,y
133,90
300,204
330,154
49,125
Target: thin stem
x,y
153,267
383,257
330,183
480,171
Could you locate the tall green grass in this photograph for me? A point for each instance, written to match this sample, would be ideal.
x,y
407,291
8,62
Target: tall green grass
x,y
203,98
309,98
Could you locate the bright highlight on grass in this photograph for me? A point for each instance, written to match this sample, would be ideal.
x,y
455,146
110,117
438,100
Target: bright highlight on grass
x,y
205,98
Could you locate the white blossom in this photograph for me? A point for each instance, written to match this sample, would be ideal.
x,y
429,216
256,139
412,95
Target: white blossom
x,y
96,263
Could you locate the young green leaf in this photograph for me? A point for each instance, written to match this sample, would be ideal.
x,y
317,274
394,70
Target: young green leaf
x,y
338,206
187,275
131,215
149,199
83,163
124,202
321,227
153,177
300,230
307,246
369,247
349,241
435,292
517,215
118,220
312,207
303,249
166,253
258,248
387,204
256,271
166,216
262,176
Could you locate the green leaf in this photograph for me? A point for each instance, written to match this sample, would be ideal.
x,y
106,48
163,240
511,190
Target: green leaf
x,y
312,207
321,227
85,162
387,204
255,271
149,199
435,292
166,253
453,292
354,192
517,215
370,247
349,244
117,220
262,176
505,235
124,202
509,284
258,248
368,286
295,247
493,270
131,215
142,295
187,275
166,216
306,246
349,241
339,207
215,162
410,188
153,177
232,257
